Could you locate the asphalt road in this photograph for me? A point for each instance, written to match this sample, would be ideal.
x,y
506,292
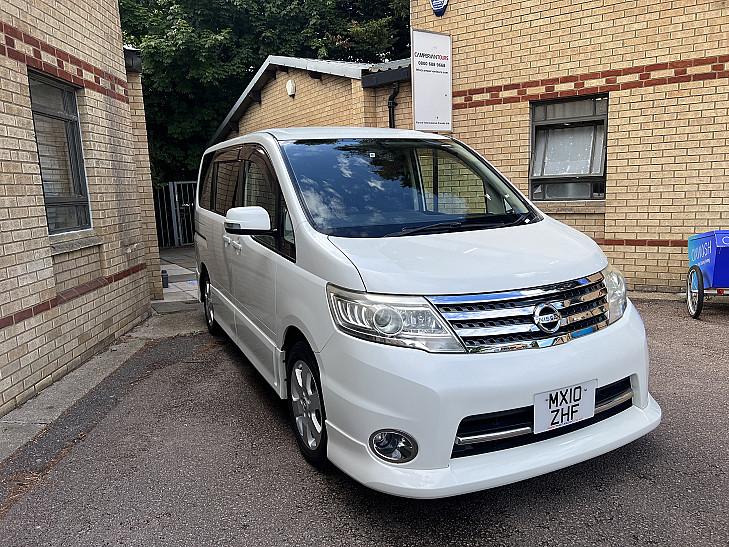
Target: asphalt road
x,y
186,445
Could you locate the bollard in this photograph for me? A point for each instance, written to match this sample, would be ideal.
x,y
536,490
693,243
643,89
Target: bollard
x,y
165,279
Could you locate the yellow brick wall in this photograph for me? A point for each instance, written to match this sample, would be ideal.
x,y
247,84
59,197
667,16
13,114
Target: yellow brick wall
x,y
65,296
328,101
331,101
403,110
664,66
23,229
110,171
89,30
586,216
144,186
76,267
45,347
669,161
513,41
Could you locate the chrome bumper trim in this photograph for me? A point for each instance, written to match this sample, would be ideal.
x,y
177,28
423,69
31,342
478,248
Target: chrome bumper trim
x,y
488,437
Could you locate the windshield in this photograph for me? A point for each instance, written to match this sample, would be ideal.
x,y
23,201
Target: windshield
x,y
381,187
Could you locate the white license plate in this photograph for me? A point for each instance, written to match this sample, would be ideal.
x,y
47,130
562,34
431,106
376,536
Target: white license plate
x,y
565,406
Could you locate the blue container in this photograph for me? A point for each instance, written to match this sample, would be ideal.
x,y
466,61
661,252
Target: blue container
x,y
710,252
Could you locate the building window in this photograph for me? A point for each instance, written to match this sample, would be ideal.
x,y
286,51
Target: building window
x,y
58,139
569,149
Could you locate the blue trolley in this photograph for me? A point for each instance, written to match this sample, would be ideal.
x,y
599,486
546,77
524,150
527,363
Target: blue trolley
x,y
709,268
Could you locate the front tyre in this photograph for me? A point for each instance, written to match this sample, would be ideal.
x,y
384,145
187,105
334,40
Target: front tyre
x,y
306,405
695,291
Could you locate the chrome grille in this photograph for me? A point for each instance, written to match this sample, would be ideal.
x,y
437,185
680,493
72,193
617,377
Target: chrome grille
x,y
510,320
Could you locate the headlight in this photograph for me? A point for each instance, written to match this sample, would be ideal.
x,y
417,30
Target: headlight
x,y
396,320
617,293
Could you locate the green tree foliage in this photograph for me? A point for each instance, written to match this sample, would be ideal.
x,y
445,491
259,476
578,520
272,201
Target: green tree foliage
x,y
200,54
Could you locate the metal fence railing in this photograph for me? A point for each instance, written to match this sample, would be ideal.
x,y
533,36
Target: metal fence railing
x,y
174,207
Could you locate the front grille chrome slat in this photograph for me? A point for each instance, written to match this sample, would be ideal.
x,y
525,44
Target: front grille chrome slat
x,y
538,292
525,311
601,310
496,331
594,295
505,321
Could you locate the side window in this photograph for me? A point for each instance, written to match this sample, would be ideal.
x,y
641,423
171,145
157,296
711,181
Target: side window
x,y
261,188
227,178
206,183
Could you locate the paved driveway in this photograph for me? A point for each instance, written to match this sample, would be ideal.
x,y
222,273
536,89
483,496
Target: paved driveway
x,y
186,444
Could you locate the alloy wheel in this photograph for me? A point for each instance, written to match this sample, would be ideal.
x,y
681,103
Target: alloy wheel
x,y
306,405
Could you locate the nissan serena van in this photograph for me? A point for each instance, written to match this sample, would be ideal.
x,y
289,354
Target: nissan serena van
x,y
433,332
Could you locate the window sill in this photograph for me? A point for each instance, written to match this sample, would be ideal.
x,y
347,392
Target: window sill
x,y
66,243
586,207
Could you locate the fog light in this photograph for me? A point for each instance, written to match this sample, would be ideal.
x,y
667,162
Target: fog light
x,y
393,446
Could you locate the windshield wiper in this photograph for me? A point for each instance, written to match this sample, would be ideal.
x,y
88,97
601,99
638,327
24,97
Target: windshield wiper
x,y
426,228
522,218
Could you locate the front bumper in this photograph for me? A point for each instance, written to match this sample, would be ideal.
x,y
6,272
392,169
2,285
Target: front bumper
x,y
368,386
475,473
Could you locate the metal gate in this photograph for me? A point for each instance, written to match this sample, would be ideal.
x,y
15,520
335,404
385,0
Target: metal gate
x,y
174,207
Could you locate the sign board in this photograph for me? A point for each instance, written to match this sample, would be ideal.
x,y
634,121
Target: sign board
x,y
431,81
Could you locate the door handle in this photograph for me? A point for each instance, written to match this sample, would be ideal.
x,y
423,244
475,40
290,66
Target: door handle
x,y
227,240
237,246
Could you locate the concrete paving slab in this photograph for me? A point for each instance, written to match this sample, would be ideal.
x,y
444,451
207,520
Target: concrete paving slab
x,y
183,290
172,319
179,256
181,278
174,306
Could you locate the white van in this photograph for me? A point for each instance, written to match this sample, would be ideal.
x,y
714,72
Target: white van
x,y
433,331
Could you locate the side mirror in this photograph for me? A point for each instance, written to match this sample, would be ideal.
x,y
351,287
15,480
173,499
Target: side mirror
x,y
252,220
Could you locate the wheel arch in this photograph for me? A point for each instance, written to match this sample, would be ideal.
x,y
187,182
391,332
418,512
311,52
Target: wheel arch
x,y
292,335
203,274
